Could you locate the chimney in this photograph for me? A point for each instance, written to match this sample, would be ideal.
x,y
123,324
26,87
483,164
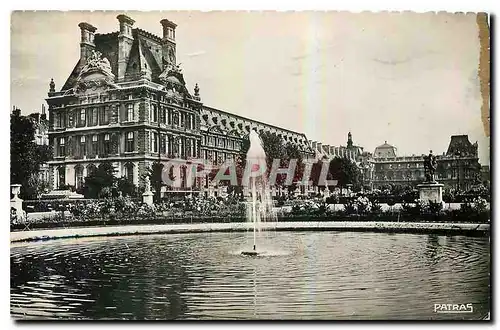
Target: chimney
x,y
87,40
44,115
125,41
168,43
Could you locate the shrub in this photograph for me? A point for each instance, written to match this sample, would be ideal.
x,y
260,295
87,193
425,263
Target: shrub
x,y
466,207
332,199
376,208
480,205
410,208
363,205
391,201
350,207
435,207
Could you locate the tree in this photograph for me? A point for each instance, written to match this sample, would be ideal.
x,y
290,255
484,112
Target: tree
x,y
293,152
126,187
316,169
26,156
155,177
341,169
102,177
344,171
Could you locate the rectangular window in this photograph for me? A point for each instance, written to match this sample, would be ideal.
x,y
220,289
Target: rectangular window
x,y
130,112
60,120
183,119
163,144
163,115
154,113
82,117
106,115
155,142
107,145
83,146
62,150
94,144
130,142
92,116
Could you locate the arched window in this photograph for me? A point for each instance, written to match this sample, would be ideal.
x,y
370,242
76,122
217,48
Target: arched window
x,y
91,169
79,176
129,172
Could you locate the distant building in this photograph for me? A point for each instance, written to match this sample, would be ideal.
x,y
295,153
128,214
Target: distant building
x,y
385,151
350,151
458,168
41,125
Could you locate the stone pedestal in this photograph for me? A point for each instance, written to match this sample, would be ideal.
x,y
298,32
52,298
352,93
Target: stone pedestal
x,y
16,202
147,197
431,192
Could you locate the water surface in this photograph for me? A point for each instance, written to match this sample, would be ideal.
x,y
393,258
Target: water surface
x,y
304,275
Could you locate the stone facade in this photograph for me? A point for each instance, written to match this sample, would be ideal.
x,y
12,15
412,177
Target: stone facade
x,y
457,168
126,102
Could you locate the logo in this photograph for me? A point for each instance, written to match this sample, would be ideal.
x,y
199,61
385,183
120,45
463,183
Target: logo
x,y
453,308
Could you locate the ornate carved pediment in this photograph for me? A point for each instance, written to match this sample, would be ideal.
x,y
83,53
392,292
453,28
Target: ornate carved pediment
x,y
97,63
172,75
95,74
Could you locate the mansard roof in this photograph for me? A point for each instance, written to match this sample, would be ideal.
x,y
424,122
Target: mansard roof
x,y
145,53
460,145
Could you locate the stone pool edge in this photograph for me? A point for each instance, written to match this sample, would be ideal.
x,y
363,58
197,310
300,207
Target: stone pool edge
x,y
469,229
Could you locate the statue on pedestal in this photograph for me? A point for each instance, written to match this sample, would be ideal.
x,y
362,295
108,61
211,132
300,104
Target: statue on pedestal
x,y
430,166
148,184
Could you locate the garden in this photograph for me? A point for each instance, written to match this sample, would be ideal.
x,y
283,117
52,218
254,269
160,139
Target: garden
x,y
197,209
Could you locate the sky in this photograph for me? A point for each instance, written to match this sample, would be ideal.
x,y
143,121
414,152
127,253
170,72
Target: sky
x,y
406,78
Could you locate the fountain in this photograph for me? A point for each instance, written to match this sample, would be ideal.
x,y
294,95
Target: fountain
x,y
260,208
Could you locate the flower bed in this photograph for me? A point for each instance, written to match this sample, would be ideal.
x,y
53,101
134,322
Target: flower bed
x,y
125,211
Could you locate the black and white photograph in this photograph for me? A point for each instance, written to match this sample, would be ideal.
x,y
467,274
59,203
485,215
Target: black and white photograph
x,y
250,165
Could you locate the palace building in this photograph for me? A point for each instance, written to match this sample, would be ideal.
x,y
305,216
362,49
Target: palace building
x,y
126,102
457,168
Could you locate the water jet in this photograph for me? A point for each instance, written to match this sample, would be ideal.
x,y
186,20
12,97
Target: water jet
x,y
260,207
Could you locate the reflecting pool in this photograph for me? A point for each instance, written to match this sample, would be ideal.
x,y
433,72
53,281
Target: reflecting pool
x,y
302,275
